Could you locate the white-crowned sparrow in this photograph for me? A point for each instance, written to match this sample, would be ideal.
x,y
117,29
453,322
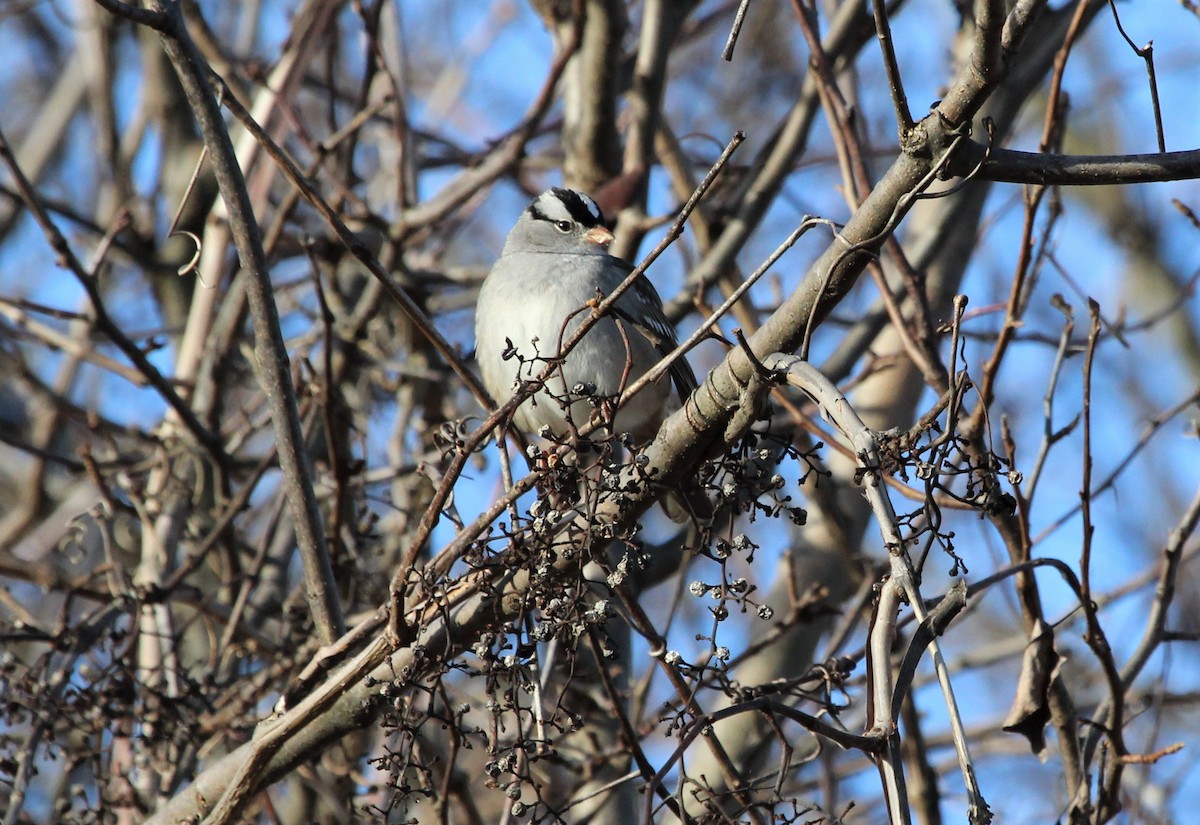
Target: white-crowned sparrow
x,y
553,264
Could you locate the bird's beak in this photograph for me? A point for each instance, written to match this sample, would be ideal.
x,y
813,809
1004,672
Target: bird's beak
x,y
599,235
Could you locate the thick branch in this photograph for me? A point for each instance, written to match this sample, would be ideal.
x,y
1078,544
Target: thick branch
x,y
1012,166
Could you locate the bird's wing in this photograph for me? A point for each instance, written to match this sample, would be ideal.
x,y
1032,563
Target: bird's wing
x,y
643,310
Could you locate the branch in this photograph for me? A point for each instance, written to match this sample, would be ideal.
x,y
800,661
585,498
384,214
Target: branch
x,y
870,743
274,368
848,31
591,143
1013,166
157,20
902,580
661,21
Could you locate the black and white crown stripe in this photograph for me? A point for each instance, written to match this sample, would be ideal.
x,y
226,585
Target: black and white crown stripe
x,y
566,205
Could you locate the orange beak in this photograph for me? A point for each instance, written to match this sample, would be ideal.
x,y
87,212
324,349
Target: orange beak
x,y
599,235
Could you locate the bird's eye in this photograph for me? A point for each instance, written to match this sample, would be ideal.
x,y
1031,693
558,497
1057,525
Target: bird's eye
x,y
562,226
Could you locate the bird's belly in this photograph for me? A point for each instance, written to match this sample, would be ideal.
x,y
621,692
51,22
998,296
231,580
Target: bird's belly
x,y
610,357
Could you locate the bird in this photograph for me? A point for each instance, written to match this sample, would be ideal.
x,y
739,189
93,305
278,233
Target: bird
x,y
553,267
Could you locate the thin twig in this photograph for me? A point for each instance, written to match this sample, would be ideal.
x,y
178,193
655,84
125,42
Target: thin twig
x,y
1095,636
731,41
1146,53
883,32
